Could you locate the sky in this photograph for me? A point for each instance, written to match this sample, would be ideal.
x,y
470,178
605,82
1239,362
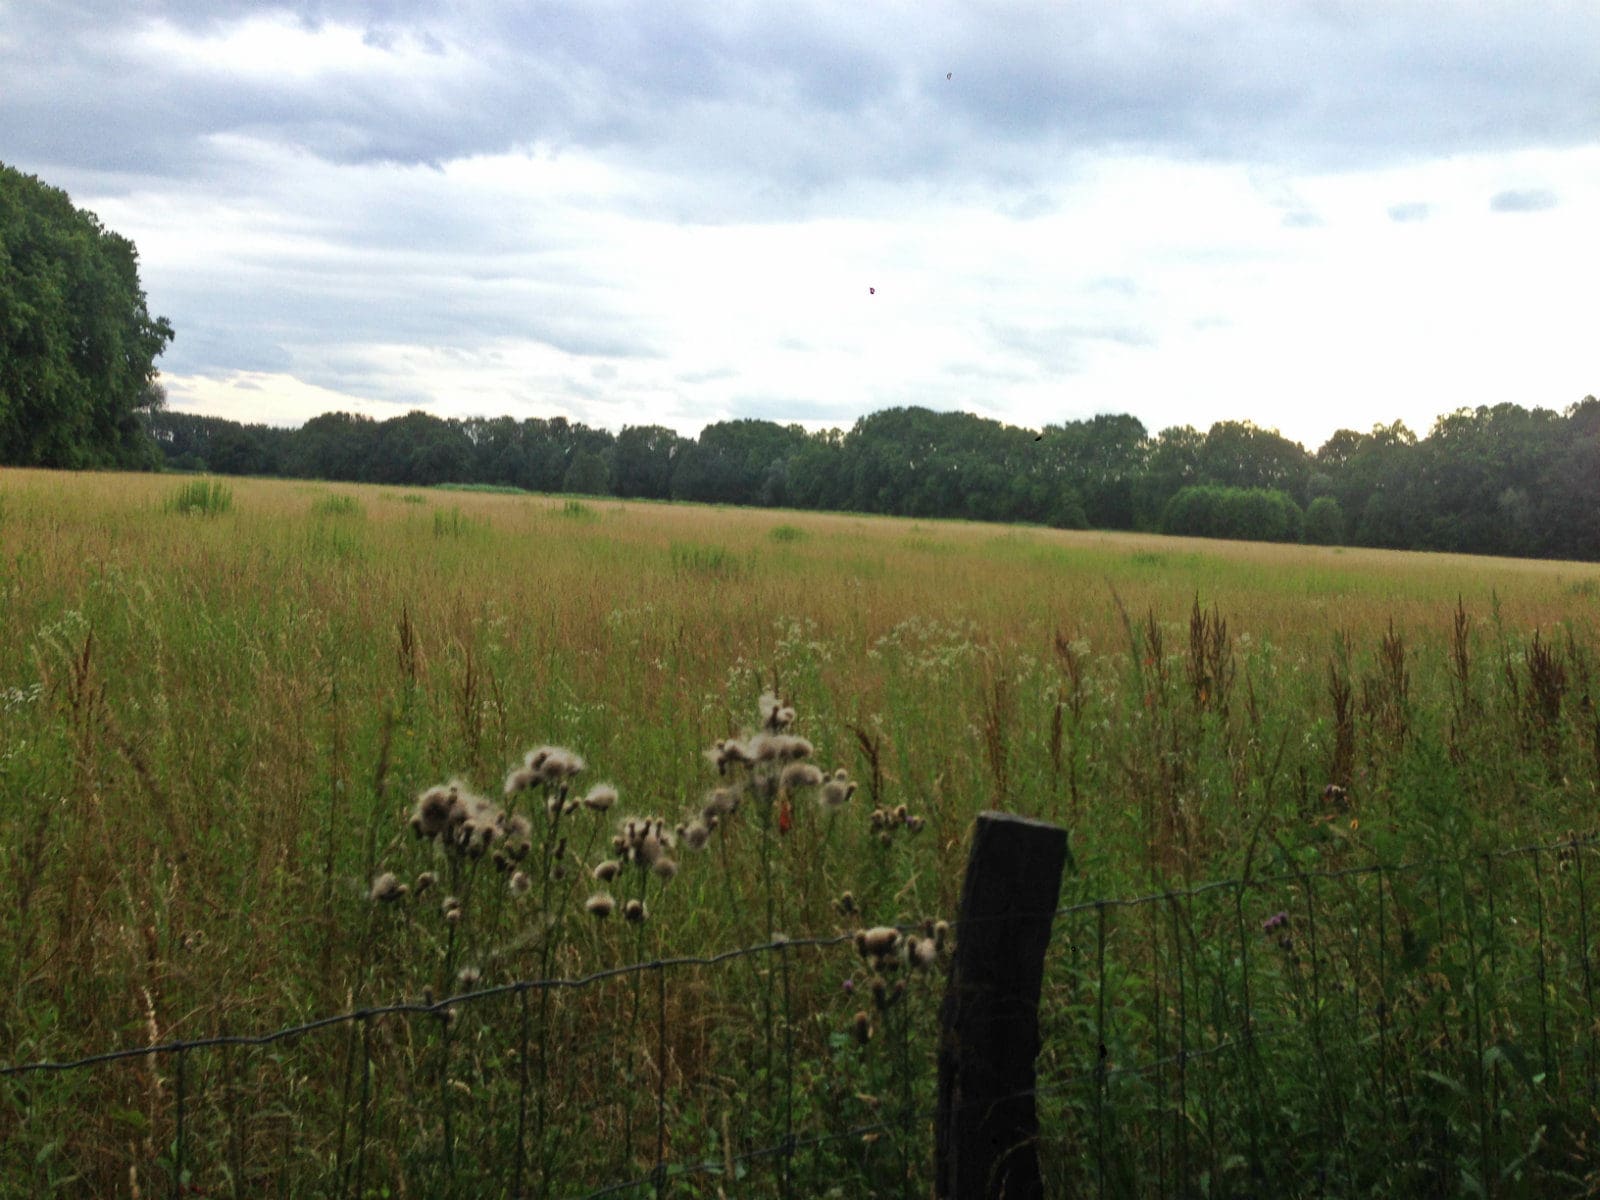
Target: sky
x,y
1308,215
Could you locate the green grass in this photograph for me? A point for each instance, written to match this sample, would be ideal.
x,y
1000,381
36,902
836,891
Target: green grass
x,y
212,734
207,497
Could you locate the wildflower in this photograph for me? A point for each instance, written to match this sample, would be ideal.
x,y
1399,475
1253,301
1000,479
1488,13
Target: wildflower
x,y
771,708
879,942
1276,921
468,977
695,834
730,752
914,824
941,934
634,912
921,953
601,797
836,792
520,780
862,1028
600,904
424,881
784,747
664,868
607,871
799,775
849,986
845,905
520,883
432,812
552,764
387,888
450,908
720,802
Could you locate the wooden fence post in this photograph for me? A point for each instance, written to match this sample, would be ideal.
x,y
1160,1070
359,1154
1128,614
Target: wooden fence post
x,y
987,1126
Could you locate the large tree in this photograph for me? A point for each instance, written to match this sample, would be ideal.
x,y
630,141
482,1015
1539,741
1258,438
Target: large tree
x,y
77,343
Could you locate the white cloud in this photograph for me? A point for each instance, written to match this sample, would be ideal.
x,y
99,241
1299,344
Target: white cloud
x,y
1285,212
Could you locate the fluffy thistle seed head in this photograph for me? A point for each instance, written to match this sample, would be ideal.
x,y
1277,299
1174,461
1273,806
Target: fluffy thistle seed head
x,y
664,868
720,802
862,1028
608,870
835,794
520,780
387,889
520,883
601,797
941,934
634,912
914,824
695,834
425,881
600,905
432,812
879,942
800,775
921,953
468,977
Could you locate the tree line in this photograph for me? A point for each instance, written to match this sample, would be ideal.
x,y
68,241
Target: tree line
x,y
1488,480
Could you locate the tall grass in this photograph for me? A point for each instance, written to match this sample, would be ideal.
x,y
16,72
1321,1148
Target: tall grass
x,y
207,497
218,730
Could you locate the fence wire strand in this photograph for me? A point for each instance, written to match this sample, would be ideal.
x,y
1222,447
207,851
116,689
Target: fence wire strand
x,y
1177,1004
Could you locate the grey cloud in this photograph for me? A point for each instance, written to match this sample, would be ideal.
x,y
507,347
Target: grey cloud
x,y
771,111
1522,200
1409,212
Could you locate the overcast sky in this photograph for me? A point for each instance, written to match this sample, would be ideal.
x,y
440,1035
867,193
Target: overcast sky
x,y
1309,215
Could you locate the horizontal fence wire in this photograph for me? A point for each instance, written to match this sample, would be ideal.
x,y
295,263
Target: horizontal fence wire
x,y
1136,1041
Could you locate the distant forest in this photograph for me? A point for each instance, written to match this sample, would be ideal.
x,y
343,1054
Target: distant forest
x,y
1501,480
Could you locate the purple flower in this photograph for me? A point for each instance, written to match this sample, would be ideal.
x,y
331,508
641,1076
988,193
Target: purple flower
x,y
1276,921
849,986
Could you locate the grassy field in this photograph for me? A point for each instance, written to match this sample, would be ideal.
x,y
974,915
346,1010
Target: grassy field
x,y
218,706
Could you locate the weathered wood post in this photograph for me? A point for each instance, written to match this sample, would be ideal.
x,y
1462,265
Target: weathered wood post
x,y
987,1124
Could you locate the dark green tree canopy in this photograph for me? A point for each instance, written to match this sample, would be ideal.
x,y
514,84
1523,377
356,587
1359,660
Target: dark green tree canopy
x,y
77,343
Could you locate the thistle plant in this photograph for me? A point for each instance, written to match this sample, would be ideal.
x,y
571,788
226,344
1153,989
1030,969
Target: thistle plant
x,y
491,862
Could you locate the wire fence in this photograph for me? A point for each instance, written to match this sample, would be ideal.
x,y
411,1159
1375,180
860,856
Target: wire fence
x,y
1415,1027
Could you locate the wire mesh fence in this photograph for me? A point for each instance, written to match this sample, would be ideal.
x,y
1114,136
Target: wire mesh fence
x,y
1420,1027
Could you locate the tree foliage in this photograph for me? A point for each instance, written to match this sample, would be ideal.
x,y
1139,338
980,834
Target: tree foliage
x,y
1500,480
77,343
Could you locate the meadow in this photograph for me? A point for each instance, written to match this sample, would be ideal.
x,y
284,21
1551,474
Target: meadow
x,y
220,704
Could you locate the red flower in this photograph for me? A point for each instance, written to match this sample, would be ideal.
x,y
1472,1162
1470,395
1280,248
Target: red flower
x,y
785,817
